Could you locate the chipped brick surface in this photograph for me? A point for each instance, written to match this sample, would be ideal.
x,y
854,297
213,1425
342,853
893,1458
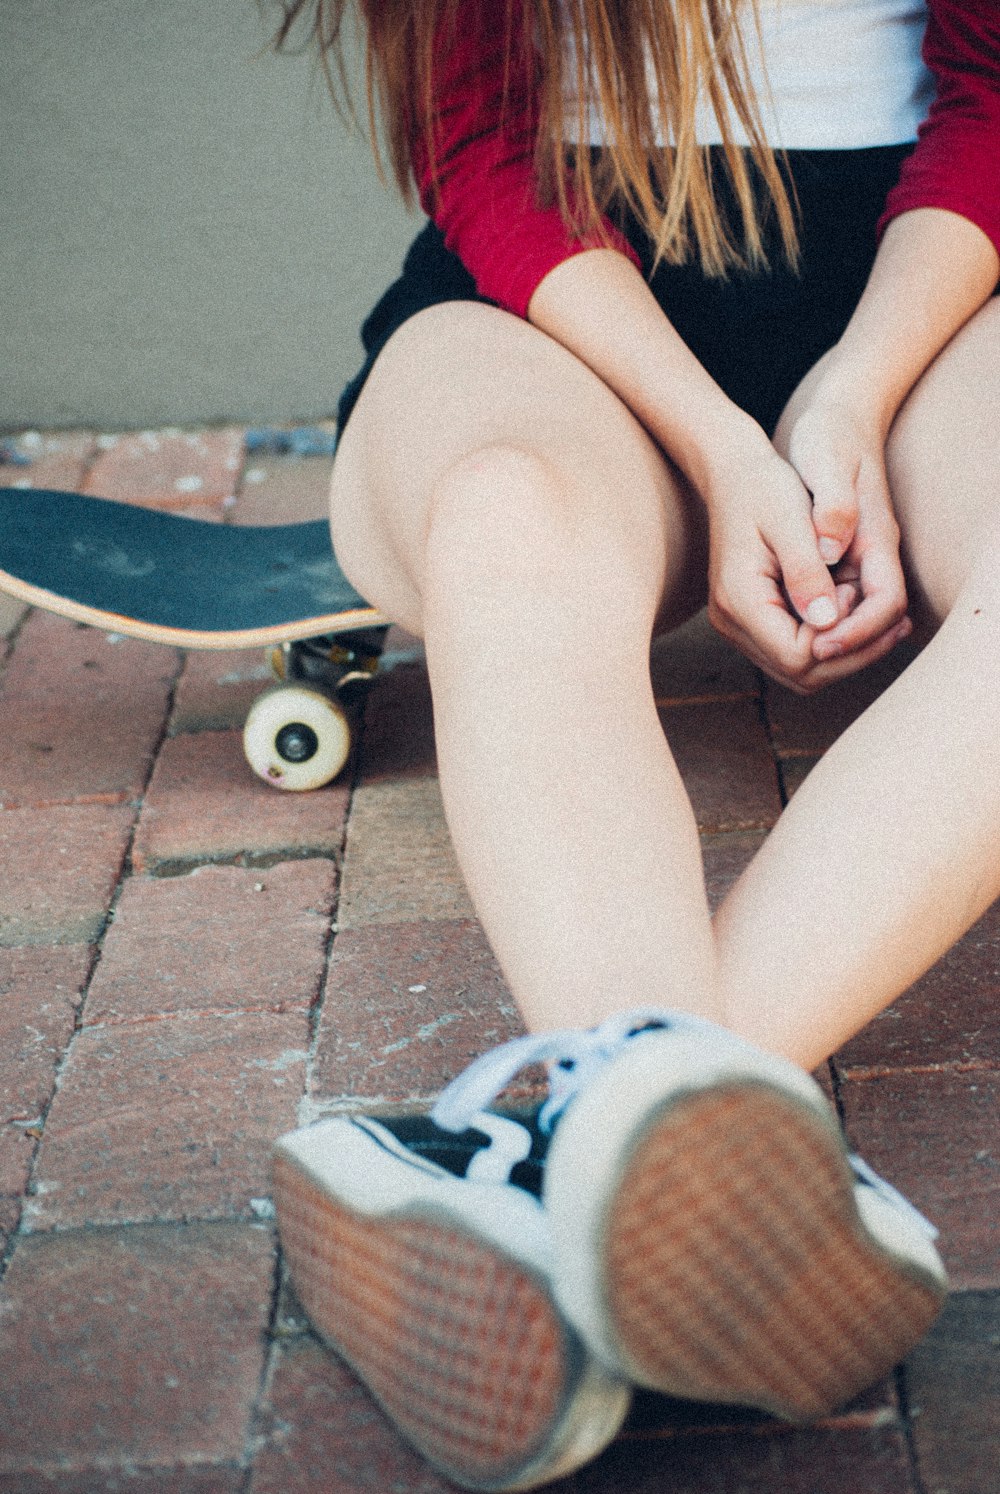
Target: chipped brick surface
x,y
169,1119
399,865
406,1008
40,995
82,713
722,752
218,939
58,870
205,804
176,470
135,1346
935,1136
323,1434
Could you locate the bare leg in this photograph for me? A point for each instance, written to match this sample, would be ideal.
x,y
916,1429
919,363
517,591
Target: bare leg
x,y
492,494
891,849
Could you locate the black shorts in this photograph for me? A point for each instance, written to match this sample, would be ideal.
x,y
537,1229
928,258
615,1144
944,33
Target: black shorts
x,y
756,334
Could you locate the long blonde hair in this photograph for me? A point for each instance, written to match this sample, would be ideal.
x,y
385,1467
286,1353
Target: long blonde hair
x,y
640,65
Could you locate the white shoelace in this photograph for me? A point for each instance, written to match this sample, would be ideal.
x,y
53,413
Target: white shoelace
x,y
574,1057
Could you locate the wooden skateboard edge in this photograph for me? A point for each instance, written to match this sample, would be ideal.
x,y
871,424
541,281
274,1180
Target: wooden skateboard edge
x,y
147,632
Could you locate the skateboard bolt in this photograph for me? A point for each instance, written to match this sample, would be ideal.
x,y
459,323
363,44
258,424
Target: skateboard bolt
x,y
296,742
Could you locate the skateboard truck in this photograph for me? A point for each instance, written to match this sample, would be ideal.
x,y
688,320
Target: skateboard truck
x,y
298,735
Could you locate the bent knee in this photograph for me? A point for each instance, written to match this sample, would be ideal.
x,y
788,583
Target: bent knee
x,y
508,526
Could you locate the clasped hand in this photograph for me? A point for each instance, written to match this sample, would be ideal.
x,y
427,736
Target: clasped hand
x,y
804,569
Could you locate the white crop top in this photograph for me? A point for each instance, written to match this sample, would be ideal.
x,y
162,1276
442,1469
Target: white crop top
x,y
840,74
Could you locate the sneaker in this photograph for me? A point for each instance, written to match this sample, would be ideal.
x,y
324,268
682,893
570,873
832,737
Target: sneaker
x,y
714,1239
425,1261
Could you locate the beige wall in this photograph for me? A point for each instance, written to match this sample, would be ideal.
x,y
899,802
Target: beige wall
x,y
186,232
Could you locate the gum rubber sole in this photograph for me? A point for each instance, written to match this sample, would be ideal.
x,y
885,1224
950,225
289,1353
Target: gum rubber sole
x,y
737,1268
460,1343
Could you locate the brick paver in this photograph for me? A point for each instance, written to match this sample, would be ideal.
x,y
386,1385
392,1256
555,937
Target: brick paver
x,y
136,1346
935,1136
213,1479
407,1007
722,751
58,460
399,866
192,963
83,714
207,941
324,1433
205,804
60,869
40,995
169,1119
183,471
283,489
953,1381
694,663
216,689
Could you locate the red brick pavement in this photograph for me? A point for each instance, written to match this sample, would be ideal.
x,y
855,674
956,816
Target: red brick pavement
x,y
191,962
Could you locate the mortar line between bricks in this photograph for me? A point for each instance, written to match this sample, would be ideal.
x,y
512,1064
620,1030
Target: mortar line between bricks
x,y
871,1074
340,860
908,1430
10,641
97,947
724,697
255,1435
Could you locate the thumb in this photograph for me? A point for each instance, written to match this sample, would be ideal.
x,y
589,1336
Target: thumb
x,y
834,509
805,575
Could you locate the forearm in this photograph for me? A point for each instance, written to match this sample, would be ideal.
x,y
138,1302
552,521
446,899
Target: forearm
x,y
933,271
600,308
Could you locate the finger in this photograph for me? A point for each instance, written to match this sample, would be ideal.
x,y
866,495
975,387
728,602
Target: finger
x,y
882,606
806,577
848,594
757,621
829,671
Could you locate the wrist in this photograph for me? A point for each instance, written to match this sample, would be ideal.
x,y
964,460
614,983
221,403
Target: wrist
x,y
705,435
717,459
854,381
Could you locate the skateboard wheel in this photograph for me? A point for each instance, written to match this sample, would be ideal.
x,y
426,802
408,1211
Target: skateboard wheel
x,y
296,738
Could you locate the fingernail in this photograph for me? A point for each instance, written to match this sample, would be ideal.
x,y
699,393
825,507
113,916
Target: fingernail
x,y
821,612
829,549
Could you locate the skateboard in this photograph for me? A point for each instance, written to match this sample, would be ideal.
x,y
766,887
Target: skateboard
x,y
197,585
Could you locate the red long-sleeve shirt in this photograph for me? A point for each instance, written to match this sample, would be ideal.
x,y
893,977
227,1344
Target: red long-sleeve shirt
x,y
486,202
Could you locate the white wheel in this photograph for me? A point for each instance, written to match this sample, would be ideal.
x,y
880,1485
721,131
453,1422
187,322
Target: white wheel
x,y
296,738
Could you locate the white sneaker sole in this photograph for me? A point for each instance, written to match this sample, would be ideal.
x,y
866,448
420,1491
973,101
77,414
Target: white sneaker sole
x,y
436,1292
710,1240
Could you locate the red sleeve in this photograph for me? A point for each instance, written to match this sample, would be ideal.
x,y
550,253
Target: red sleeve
x,y
485,202
956,164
